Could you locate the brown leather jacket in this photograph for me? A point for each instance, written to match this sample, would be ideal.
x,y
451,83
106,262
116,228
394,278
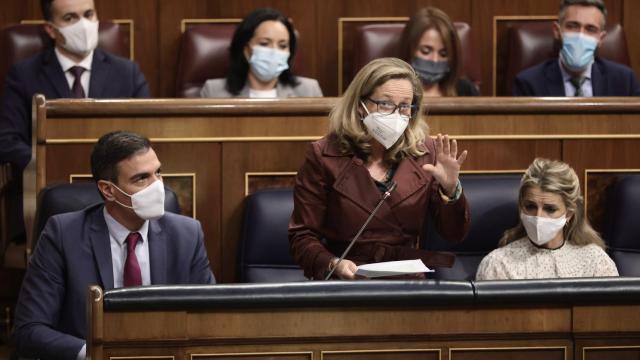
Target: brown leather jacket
x,y
334,194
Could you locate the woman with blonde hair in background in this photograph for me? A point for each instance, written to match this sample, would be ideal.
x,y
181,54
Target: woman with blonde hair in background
x,y
554,238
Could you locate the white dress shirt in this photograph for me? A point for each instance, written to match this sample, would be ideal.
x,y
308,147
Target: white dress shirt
x,y
569,89
118,234
67,64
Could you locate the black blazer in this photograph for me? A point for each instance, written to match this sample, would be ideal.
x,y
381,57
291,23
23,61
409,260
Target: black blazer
x,y
607,78
111,77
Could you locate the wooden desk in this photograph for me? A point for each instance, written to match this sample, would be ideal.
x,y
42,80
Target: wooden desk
x,y
366,320
215,151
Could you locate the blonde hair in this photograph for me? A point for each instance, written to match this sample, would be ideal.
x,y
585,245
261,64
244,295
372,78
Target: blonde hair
x,y
559,178
346,122
433,18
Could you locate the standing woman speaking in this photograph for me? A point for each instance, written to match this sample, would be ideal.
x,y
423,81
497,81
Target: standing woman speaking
x,y
377,137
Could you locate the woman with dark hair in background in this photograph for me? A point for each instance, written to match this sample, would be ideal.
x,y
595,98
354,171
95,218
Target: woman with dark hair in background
x,y
431,45
260,58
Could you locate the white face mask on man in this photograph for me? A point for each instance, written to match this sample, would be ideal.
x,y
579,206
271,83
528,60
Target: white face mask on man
x,y
541,230
386,129
147,203
80,38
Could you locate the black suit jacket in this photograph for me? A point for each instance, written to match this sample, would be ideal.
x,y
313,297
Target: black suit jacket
x,y
111,77
607,78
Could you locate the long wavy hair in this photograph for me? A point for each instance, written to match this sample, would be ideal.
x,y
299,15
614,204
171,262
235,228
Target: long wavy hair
x,y
559,178
239,66
346,121
433,18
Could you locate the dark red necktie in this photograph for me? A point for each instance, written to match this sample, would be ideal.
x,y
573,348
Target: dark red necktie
x,y
132,275
76,90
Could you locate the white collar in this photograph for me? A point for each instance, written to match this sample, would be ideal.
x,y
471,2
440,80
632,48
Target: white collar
x,y
67,63
119,232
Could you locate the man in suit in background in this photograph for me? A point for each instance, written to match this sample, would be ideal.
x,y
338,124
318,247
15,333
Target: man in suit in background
x,y
577,72
127,241
72,68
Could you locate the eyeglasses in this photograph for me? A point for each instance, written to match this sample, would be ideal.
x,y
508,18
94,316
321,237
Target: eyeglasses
x,y
387,107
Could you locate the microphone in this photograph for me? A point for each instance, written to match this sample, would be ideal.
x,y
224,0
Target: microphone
x,y
386,194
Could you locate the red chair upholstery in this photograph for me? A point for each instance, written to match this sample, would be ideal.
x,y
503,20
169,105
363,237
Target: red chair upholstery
x,y
373,41
18,42
204,55
532,42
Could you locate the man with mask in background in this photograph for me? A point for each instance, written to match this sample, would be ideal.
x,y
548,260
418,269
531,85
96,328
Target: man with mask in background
x,y
127,241
577,72
73,68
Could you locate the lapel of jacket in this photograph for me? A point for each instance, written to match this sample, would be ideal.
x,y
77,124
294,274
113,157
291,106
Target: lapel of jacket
x,y
354,183
409,178
101,247
598,79
54,74
555,84
100,69
157,253
352,180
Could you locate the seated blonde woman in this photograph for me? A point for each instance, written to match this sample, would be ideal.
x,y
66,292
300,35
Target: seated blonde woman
x,y
554,238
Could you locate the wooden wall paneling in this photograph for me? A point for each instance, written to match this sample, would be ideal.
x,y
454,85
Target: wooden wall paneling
x,y
170,15
207,167
145,19
587,156
507,155
267,156
630,15
597,348
14,11
583,154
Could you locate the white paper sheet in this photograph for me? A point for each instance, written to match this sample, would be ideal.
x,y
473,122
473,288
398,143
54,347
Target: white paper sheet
x,y
392,268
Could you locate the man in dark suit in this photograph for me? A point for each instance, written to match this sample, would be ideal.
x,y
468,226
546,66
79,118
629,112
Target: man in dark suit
x,y
127,241
73,26
577,72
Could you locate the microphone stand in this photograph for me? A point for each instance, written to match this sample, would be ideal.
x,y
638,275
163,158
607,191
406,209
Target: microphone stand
x,y
353,241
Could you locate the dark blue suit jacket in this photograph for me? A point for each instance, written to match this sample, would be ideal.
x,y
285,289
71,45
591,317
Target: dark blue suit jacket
x,y
111,77
73,253
607,78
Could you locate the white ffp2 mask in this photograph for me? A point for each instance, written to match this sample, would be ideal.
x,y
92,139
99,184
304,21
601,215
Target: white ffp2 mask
x,y
80,38
386,129
147,203
541,230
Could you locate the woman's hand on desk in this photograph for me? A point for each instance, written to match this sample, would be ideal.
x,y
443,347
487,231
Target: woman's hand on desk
x,y
447,166
346,270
